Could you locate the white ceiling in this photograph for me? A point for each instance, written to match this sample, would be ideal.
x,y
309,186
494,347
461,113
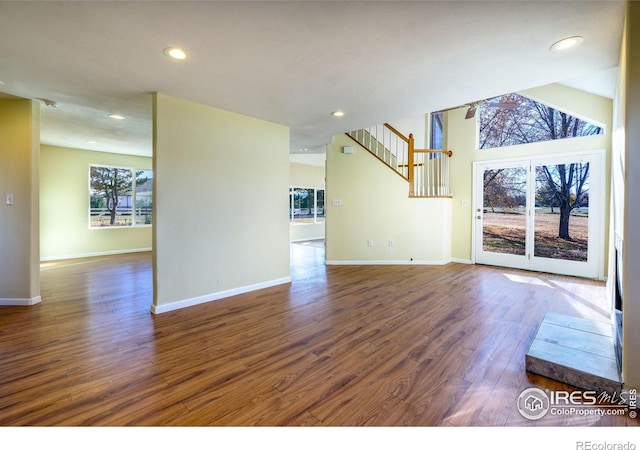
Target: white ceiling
x,y
290,62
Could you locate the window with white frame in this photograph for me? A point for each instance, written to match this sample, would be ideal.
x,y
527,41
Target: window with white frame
x,y
119,197
436,130
306,205
436,133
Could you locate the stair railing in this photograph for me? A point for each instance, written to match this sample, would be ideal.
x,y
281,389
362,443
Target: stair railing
x,y
431,173
387,144
426,170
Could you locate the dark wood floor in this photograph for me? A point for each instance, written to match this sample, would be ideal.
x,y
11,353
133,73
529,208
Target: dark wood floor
x,y
339,346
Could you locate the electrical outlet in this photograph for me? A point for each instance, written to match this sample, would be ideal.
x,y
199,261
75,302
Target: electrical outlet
x,y
9,199
390,242
370,242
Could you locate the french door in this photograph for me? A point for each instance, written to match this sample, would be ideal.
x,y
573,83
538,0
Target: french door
x,y
543,214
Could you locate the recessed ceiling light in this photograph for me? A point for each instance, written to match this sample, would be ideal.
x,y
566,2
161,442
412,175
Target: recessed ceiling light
x,y
566,44
175,53
91,142
337,113
117,116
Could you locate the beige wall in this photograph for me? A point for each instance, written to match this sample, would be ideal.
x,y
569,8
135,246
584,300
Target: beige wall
x,y
629,124
303,175
64,206
19,165
375,206
220,216
460,136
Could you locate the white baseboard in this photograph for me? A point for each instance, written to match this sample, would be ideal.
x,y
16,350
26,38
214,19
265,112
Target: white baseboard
x,y
91,255
20,301
461,261
159,309
386,263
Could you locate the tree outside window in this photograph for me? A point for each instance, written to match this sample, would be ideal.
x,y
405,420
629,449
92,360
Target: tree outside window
x,y
119,197
528,122
560,188
565,186
144,199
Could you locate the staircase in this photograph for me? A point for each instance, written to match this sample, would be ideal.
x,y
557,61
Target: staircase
x,y
425,170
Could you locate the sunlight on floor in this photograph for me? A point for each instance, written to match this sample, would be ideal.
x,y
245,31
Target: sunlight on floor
x,y
525,279
308,259
586,298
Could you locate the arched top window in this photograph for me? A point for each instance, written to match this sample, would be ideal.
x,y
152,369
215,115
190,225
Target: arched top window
x,y
513,119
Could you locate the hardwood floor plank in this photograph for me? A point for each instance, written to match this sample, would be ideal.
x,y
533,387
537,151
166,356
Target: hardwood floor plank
x,y
339,346
364,404
288,406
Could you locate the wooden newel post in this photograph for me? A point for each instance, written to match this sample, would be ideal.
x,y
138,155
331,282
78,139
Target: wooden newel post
x,y
411,165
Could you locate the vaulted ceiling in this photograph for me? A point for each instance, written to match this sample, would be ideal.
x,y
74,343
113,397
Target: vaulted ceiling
x,y
290,62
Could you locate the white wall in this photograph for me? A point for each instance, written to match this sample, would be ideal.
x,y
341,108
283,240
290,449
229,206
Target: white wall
x,y
64,206
221,203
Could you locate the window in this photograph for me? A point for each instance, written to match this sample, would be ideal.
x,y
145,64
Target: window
x,y
513,119
119,197
306,205
435,134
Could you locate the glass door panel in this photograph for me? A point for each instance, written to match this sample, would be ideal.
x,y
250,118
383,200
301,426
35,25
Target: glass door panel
x,y
504,224
568,220
561,228
543,214
501,214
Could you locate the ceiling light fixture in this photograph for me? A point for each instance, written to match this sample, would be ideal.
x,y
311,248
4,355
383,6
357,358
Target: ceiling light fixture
x,y
337,113
117,116
175,53
91,142
566,44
